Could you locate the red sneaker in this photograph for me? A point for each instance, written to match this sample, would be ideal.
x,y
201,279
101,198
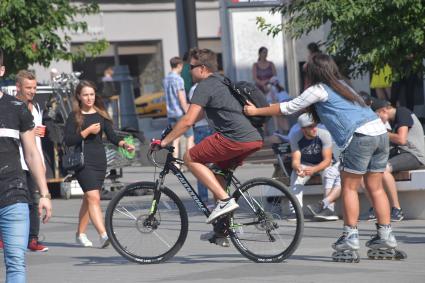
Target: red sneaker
x,y
35,246
1,244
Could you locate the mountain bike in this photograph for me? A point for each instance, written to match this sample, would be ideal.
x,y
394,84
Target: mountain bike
x,y
147,222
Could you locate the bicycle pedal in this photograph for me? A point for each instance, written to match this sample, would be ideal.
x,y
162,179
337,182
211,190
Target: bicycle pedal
x,y
220,241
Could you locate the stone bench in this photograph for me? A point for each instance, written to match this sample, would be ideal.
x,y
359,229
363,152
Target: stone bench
x,y
410,186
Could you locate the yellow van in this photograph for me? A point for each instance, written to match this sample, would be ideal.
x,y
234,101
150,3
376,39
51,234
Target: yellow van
x,y
151,105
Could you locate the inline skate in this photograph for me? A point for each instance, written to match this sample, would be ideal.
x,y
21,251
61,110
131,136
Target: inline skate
x,y
347,246
383,245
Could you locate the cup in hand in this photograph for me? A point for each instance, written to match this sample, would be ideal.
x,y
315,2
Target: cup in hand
x,y
41,131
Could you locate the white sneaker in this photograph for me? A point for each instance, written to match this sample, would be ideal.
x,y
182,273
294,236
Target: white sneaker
x,y
82,240
104,241
222,207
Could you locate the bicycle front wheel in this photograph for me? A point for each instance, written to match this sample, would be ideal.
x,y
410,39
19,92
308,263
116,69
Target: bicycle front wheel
x,y
139,236
260,228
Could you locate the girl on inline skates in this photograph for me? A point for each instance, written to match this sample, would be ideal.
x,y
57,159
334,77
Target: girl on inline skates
x,y
364,140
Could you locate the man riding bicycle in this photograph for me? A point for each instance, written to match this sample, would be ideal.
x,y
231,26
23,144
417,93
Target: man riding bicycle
x,y
234,138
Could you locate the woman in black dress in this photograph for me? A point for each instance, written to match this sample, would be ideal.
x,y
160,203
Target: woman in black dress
x,y
86,124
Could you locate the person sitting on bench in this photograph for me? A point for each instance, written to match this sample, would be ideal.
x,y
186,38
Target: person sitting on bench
x,y
311,148
407,151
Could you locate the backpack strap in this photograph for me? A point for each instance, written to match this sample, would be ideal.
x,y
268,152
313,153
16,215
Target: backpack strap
x,y
227,81
234,91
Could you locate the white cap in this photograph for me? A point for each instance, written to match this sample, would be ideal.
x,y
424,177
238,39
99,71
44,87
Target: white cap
x,y
305,120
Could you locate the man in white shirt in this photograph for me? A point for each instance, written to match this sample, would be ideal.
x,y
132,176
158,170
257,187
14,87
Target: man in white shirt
x,y
26,86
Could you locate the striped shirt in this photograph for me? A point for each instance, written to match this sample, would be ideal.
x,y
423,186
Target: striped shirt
x,y
173,83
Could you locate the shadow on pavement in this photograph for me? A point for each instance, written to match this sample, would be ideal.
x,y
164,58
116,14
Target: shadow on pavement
x,y
97,260
209,258
311,258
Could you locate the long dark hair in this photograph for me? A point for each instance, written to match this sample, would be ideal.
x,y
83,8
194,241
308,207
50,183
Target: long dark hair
x,y
262,48
76,104
322,69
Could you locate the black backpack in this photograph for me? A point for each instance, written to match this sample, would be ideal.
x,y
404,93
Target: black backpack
x,y
244,91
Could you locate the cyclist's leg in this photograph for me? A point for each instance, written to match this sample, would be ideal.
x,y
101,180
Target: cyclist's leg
x,y
205,176
218,150
226,154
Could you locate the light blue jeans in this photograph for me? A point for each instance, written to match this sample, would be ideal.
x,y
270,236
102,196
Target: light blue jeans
x,y
200,133
14,228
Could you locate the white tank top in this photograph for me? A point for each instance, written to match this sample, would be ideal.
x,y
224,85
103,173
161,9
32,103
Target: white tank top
x,y
38,120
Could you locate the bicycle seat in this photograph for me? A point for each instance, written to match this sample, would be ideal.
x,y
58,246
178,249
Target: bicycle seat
x,y
218,171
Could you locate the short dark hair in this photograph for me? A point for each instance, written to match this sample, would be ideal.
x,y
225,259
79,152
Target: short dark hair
x,y
313,47
207,58
1,57
175,61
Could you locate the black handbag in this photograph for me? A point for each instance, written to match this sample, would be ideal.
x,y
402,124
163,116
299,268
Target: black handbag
x,y
73,158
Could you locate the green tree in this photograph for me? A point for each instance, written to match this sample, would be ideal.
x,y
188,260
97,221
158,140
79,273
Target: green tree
x,y
40,31
367,33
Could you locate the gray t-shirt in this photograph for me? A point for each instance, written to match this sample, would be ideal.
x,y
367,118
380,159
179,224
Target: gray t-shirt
x,y
223,111
311,149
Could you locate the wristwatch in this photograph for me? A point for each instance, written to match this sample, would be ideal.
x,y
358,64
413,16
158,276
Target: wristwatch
x,y
48,196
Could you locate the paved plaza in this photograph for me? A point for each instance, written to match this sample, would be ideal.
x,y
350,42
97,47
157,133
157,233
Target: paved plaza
x,y
203,262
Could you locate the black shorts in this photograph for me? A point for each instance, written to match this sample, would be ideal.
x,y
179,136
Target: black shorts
x,y
404,161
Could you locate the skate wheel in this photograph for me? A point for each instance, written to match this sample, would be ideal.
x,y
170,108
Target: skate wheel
x,y
346,256
357,260
388,254
400,255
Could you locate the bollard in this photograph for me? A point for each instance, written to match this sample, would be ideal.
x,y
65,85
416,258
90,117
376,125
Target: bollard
x,y
127,109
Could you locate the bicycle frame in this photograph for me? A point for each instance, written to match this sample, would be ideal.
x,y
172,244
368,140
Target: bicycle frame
x,y
169,166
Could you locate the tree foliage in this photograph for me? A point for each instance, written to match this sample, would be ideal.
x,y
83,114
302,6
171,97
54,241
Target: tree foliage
x,y
367,33
40,31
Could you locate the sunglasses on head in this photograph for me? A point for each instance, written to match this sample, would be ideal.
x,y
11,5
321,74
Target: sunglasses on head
x,y
195,66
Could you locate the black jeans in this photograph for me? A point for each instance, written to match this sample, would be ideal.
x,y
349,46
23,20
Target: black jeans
x,y
35,199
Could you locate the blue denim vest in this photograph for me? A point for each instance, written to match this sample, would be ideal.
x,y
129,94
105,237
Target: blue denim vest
x,y
341,117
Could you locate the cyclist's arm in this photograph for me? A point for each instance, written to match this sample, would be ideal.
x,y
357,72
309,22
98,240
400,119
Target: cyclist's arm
x,y
183,124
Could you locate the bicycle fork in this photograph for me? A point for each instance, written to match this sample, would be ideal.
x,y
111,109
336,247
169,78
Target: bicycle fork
x,y
151,220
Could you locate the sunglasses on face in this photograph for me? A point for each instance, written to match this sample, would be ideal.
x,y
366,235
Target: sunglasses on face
x,y
195,66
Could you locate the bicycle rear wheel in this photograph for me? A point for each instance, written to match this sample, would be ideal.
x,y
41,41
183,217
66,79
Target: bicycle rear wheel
x,y
260,228
135,235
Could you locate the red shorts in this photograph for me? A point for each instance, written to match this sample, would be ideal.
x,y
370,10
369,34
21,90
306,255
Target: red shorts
x,y
222,151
